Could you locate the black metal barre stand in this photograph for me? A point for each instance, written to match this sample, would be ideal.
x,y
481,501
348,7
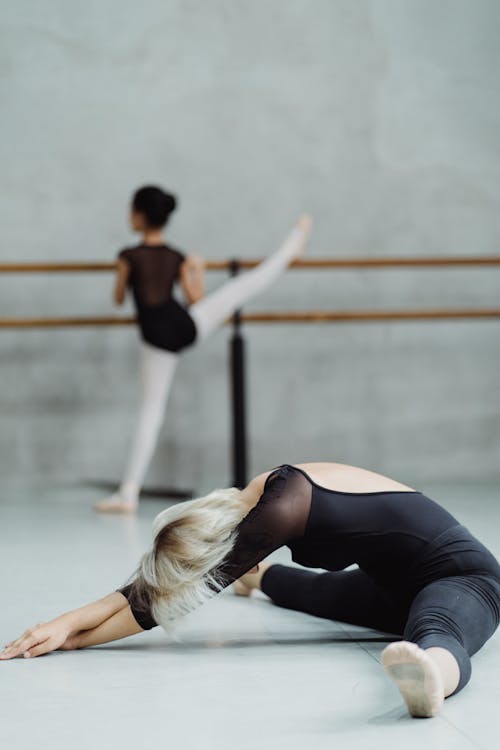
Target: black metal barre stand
x,y
238,402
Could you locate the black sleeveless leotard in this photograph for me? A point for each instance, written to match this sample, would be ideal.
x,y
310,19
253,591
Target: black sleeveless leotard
x,y
163,322
401,539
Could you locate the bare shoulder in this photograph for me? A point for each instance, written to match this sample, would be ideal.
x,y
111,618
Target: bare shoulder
x,y
254,489
346,478
332,476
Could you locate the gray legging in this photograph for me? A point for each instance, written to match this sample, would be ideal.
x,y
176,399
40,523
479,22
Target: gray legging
x,y
458,613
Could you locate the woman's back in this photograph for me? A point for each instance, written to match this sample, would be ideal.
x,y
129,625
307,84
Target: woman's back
x,y
346,478
153,271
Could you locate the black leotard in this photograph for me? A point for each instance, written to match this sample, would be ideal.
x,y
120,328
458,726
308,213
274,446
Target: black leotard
x,y
401,539
163,322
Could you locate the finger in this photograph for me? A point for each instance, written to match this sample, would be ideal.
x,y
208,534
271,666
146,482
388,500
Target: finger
x,y
31,632
15,642
10,648
29,638
26,643
42,648
26,634
8,654
28,650
20,647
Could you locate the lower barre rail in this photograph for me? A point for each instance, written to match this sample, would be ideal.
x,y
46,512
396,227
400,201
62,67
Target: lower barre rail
x,y
353,316
311,316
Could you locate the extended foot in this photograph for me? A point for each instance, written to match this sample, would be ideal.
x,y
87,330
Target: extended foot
x,y
417,677
240,589
116,504
250,581
305,225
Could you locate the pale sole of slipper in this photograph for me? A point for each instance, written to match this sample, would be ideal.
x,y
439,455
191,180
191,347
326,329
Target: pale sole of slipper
x,y
114,507
416,676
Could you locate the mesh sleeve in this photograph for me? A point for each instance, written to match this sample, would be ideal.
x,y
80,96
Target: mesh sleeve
x,y
141,610
279,518
125,255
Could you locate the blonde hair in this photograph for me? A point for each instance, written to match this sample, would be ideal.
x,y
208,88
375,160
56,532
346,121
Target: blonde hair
x,y
189,541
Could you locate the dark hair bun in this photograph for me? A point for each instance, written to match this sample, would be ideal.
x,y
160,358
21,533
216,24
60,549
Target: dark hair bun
x,y
155,204
171,202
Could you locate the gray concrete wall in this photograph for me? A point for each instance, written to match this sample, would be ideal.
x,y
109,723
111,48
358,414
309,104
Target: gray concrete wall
x,y
381,118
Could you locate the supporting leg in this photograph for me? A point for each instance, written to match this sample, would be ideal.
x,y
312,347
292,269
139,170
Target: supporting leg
x,y
157,372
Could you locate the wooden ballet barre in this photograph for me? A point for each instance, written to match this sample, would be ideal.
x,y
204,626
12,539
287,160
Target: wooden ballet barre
x,y
351,316
312,316
104,320
225,265
423,262
55,267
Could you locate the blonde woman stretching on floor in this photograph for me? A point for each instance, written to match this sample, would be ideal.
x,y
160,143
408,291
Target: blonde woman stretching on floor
x,y
421,574
167,327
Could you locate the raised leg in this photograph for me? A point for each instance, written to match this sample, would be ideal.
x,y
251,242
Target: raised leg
x,y
213,310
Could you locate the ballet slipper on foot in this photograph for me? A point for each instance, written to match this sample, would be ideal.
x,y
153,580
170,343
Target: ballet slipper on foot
x,y
304,224
240,589
416,676
115,504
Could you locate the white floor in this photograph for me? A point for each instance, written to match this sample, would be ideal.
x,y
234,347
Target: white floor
x,y
242,674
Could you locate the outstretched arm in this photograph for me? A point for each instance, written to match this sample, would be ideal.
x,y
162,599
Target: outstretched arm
x,y
119,625
104,620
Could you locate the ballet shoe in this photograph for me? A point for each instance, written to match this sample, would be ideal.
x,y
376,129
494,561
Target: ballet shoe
x,y
305,224
416,676
115,504
240,589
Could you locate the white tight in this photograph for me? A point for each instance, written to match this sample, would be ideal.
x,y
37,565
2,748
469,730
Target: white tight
x,y
158,366
157,373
